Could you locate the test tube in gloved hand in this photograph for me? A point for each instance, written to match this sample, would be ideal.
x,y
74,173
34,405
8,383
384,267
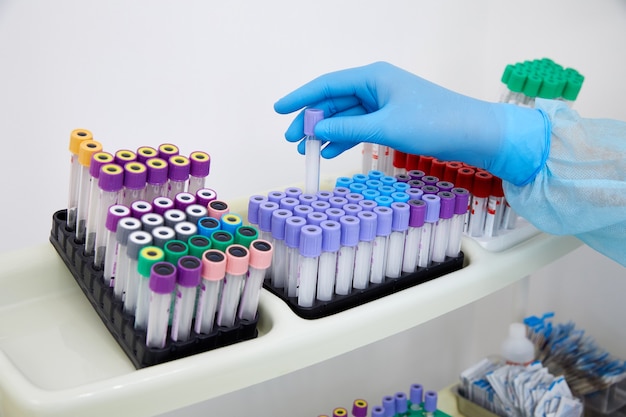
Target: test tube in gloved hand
x,y
260,260
162,282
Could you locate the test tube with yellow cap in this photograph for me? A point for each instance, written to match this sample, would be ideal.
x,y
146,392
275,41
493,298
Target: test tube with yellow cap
x,y
76,137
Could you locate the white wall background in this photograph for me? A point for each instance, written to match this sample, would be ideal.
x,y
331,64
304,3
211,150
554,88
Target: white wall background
x,y
204,75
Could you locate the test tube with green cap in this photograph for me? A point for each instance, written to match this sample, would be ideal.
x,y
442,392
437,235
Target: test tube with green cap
x,y
76,137
148,256
198,244
221,240
174,250
245,235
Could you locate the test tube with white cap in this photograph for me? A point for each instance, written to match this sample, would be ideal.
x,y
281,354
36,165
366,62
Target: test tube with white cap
x,y
379,249
137,240
178,174
124,228
115,213
331,241
162,282
76,137
148,256
200,164
350,228
97,160
260,260
135,174
278,268
213,272
312,150
310,250
183,200
86,150
363,257
293,226
237,263
110,183
442,231
189,269
433,206
417,213
156,178
461,200
395,245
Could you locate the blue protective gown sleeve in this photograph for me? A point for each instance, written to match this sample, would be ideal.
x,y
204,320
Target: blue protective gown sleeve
x,y
581,189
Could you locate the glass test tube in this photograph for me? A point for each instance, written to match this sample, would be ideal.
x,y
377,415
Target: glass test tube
x,y
97,160
76,137
87,149
433,205
310,248
379,249
293,226
148,256
260,260
124,228
156,178
162,282
495,207
417,213
237,262
178,174
395,245
111,183
278,267
312,150
350,228
442,232
189,269
461,201
115,213
363,256
135,174
137,240
331,242
213,272
480,194
198,171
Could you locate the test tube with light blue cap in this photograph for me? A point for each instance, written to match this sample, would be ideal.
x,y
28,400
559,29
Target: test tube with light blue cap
x,y
162,282
148,256
417,213
331,242
343,182
125,227
293,226
433,205
312,150
260,260
200,165
442,230
156,178
178,174
87,149
461,201
207,226
188,276
111,185
115,214
395,246
310,248
230,222
76,137
97,160
278,267
384,216
350,229
137,240
363,257
213,272
237,264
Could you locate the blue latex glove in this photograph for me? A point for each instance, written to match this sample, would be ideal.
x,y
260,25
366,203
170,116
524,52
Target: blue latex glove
x,y
380,103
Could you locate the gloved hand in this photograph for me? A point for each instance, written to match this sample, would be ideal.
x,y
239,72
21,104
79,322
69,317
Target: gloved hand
x,y
380,103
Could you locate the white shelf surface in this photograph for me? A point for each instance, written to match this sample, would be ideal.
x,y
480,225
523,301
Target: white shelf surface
x,y
58,359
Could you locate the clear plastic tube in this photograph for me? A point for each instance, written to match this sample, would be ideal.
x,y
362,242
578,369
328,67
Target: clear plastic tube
x,y
87,149
148,256
137,240
310,248
362,265
477,216
77,136
326,276
345,270
293,260
312,150
395,250
440,240
379,256
423,258
162,282
456,232
187,280
411,249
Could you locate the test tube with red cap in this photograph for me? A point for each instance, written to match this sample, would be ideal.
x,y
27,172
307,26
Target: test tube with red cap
x,y
76,137
310,248
178,174
213,272
111,183
417,214
162,282
200,164
395,246
188,276
363,256
399,162
115,214
495,207
260,260
481,189
461,201
442,231
331,241
237,263
156,178
87,149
